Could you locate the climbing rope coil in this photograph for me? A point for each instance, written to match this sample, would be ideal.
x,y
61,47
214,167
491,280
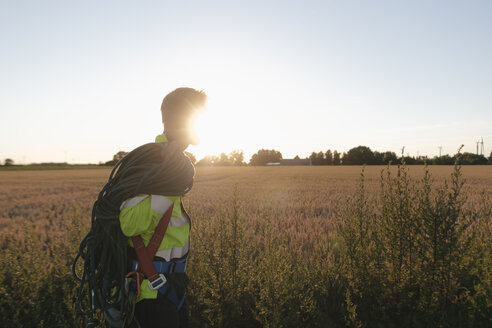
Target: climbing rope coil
x,y
153,168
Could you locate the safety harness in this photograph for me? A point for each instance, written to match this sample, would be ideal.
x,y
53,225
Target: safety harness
x,y
155,271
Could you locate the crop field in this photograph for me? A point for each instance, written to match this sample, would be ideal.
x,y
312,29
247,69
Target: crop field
x,y
326,246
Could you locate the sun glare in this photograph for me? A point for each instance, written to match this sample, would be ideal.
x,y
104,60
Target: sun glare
x,y
219,128
209,127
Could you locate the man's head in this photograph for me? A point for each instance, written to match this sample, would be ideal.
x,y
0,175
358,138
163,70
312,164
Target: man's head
x,y
179,109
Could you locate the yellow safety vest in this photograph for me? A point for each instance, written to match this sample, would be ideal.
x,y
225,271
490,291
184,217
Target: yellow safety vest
x,y
141,214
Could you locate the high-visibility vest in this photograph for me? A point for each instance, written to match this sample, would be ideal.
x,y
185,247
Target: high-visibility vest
x,y
141,214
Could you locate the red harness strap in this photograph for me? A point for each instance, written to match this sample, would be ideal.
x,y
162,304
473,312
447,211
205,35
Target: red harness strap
x,y
145,255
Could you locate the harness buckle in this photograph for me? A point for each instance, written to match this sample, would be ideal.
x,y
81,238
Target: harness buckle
x,y
158,283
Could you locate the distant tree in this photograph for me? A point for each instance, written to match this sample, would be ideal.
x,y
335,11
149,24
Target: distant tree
x,y
490,158
388,157
313,158
317,158
264,156
297,157
358,156
8,162
116,157
336,158
191,156
328,157
237,157
473,159
411,160
321,158
208,160
442,160
224,160
119,155
378,158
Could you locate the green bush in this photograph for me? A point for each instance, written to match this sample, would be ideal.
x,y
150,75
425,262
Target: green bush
x,y
418,257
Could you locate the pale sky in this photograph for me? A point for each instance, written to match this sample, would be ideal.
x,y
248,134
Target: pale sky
x,y
82,80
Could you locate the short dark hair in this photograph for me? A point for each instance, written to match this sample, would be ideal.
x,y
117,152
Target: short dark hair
x,y
180,104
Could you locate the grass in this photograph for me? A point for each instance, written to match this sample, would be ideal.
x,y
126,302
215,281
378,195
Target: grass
x,y
277,246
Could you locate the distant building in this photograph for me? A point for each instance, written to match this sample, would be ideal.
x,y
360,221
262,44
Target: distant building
x,y
295,161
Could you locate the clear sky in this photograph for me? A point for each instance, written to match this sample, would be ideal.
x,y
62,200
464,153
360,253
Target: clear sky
x,y
81,80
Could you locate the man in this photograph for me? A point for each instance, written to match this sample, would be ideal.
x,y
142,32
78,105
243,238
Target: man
x,y
139,216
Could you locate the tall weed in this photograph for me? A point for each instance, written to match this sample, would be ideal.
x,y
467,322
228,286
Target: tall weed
x,y
412,259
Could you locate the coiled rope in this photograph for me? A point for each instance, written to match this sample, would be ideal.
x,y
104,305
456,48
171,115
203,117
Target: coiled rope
x,y
154,168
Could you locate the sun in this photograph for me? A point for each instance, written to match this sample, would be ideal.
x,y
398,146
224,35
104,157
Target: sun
x,y
209,126
217,129
234,119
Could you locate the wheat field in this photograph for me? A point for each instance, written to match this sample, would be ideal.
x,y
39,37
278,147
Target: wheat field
x,y
271,247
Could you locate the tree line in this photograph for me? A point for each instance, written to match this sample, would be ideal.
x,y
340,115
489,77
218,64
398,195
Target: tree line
x,y
360,155
363,155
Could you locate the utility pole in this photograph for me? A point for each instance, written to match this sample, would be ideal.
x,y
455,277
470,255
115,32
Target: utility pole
x,y
440,149
478,142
